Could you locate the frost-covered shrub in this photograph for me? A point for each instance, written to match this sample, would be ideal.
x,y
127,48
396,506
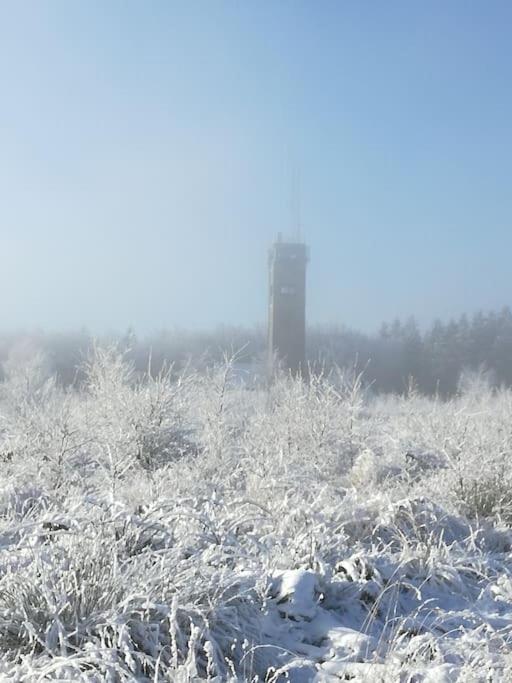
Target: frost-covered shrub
x,y
184,527
135,421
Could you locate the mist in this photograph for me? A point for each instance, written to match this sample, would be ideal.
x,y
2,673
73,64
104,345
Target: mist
x,y
255,341
147,157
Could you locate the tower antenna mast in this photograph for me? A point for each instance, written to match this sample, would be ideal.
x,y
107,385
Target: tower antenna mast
x,y
295,202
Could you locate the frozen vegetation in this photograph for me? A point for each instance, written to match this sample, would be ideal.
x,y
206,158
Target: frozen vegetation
x,y
186,528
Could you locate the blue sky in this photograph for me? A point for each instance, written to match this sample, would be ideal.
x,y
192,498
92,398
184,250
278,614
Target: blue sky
x,y
147,150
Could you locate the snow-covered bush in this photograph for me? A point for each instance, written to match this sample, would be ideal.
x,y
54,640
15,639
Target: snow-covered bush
x,y
183,527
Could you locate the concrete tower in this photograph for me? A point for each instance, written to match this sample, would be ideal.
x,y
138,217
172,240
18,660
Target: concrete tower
x,y
287,305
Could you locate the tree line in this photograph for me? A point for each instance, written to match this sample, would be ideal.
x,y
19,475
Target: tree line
x,y
399,356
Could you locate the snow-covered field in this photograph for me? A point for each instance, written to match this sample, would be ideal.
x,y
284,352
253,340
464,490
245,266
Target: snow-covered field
x,y
189,529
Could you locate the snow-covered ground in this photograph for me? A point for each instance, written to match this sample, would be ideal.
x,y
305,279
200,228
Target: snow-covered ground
x,y
186,529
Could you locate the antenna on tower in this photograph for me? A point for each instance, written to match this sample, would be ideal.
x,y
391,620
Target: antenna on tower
x,y
295,203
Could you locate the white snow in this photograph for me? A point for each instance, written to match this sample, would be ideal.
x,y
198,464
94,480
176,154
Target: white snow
x,y
189,530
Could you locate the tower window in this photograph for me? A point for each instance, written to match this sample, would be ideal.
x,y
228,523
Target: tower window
x,y
287,289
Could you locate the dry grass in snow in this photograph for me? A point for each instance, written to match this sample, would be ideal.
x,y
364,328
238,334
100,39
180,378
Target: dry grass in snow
x,y
185,528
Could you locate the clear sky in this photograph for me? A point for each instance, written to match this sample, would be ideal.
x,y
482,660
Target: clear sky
x,y
146,151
